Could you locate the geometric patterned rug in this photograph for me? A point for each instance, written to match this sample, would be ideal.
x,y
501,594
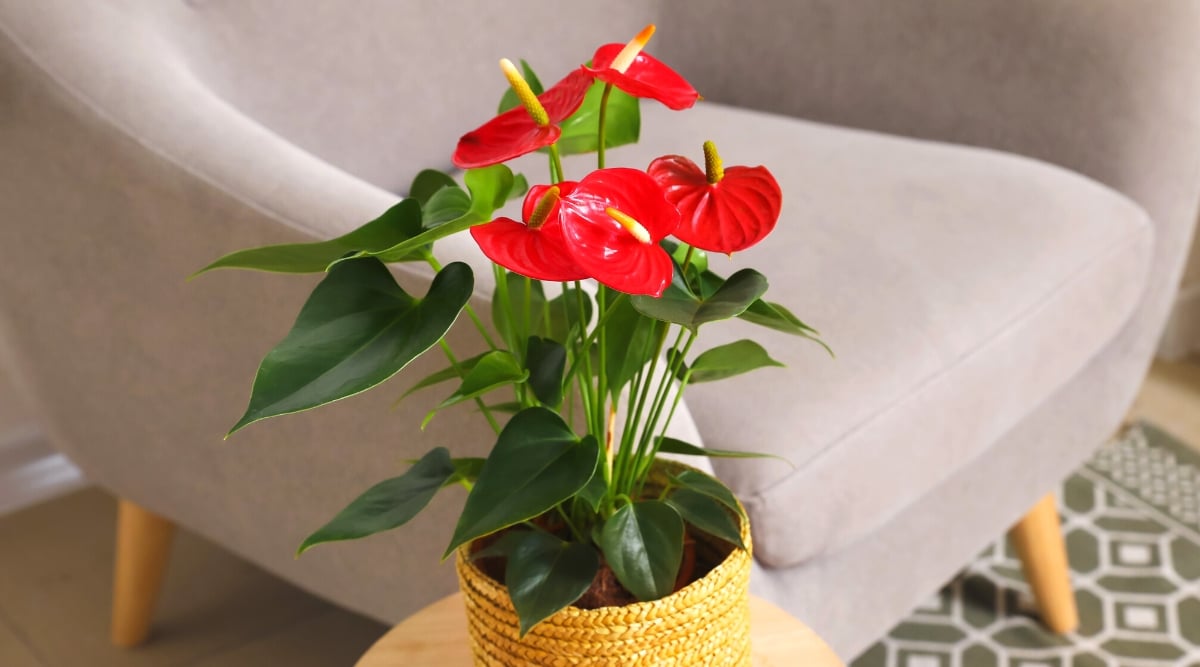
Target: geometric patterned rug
x,y
1132,520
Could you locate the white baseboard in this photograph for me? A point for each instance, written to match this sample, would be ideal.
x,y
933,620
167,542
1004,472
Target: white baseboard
x,y
1181,338
32,472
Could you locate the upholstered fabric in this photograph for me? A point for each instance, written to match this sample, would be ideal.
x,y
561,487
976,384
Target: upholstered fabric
x,y
383,90
186,129
959,288
1107,88
862,590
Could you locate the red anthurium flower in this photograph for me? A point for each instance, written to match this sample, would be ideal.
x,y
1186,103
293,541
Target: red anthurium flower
x,y
536,248
526,128
612,222
640,74
722,210
606,227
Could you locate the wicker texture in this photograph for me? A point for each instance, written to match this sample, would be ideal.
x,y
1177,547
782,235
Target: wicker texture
x,y
705,623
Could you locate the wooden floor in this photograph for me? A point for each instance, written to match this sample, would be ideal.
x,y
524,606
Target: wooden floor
x,y
217,611
1171,399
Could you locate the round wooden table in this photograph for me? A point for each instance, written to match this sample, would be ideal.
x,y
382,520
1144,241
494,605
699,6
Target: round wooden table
x,y
437,636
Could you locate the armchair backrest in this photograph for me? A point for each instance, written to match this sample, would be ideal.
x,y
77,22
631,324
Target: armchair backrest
x,y
1107,88
382,88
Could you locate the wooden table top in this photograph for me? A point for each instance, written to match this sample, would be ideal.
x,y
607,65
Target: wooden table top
x,y
437,635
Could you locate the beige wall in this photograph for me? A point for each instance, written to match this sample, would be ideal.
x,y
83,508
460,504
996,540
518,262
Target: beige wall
x,y
1182,337
1192,276
14,414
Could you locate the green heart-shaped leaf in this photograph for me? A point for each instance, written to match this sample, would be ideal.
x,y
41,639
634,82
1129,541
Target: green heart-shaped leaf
x,y
427,182
546,361
388,504
623,122
509,315
489,189
565,316
494,369
673,446
466,469
643,544
449,203
357,329
707,514
519,187
537,463
732,297
397,225
593,494
545,574
629,341
680,305
729,360
677,305
500,547
448,373
774,316
709,486
697,265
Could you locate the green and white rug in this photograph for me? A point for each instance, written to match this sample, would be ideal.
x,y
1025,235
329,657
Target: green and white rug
x,y
1132,519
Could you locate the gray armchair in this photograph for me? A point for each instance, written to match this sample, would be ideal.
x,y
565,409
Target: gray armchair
x,y
992,254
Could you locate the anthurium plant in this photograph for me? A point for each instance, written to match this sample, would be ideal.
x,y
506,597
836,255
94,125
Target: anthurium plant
x,y
601,290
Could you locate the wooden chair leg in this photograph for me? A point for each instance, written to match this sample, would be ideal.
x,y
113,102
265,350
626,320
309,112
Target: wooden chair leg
x,y
1039,543
143,546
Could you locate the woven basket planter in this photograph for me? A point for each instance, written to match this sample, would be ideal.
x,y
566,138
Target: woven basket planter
x,y
705,623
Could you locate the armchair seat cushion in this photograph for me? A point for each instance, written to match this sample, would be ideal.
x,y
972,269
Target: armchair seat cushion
x,y
959,288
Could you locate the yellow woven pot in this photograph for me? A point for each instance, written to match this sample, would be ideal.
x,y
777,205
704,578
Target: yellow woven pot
x,y
705,623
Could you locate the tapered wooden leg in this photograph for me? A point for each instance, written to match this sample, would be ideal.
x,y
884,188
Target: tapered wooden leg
x,y
143,546
1039,543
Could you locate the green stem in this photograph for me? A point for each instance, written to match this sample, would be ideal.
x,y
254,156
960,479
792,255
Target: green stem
x,y
599,325
687,259
487,414
527,307
569,401
570,524
625,447
556,168
487,338
664,389
601,131
687,262
683,383
501,277
585,382
635,420
523,393
536,528
649,461
602,371
568,395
